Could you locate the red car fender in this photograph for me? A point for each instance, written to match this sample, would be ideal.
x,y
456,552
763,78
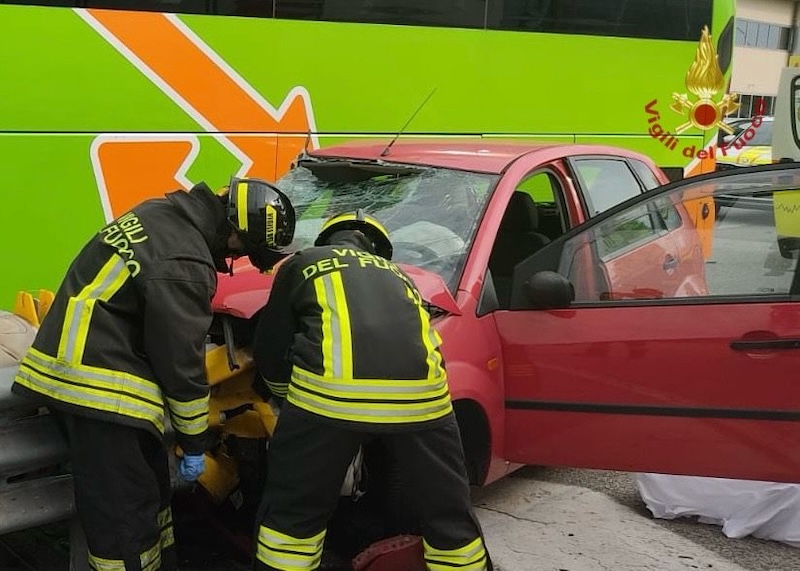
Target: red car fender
x,y
470,385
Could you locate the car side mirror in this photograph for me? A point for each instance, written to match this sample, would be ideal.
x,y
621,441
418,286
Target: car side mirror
x,y
788,247
549,290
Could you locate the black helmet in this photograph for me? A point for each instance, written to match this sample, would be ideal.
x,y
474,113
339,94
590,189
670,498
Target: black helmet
x,y
263,217
367,225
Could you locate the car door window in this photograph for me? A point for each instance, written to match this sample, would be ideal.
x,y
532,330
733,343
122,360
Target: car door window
x,y
652,251
645,174
533,217
547,194
756,245
605,183
631,230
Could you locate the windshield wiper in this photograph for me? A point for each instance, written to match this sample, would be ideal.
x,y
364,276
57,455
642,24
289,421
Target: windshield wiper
x,y
340,170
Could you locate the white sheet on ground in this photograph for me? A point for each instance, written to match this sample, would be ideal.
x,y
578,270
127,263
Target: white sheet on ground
x,y
766,510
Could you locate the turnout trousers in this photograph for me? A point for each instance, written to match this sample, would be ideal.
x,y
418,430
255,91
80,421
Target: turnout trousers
x,y
308,459
122,495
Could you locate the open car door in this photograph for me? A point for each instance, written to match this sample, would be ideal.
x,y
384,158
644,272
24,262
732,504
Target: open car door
x,y
786,125
625,349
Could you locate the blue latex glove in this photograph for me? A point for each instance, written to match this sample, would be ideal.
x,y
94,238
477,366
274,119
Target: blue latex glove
x,y
192,466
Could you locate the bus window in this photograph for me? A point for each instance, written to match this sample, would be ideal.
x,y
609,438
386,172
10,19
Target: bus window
x,y
183,6
252,8
661,19
667,19
445,13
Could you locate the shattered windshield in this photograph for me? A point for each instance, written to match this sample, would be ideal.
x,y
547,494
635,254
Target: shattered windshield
x,y
431,213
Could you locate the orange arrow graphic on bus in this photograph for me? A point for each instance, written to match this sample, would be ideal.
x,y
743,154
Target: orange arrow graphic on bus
x,y
265,139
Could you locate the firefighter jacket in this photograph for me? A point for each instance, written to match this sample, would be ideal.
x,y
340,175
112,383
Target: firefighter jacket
x,y
125,337
345,336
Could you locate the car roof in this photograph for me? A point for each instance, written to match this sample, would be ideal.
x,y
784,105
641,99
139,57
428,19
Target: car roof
x,y
479,155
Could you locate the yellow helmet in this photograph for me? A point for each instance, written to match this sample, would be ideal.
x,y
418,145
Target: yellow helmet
x,y
264,219
367,225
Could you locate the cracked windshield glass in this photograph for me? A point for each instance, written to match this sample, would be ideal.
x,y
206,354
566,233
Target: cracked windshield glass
x,y
431,213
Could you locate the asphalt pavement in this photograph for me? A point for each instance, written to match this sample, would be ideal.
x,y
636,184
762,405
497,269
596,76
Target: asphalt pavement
x,y
537,519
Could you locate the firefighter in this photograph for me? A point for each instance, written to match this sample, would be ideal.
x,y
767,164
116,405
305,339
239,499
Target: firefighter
x,y
122,351
346,341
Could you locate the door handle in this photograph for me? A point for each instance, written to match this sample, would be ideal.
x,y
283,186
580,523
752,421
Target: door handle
x,y
748,345
670,263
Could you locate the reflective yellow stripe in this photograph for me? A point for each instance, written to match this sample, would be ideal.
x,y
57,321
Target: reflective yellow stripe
x,y
92,387
189,408
430,338
363,389
241,204
167,529
336,394
149,560
383,401
327,328
167,537
165,517
191,426
370,412
95,376
479,565
272,216
278,389
77,318
189,417
115,280
101,564
283,551
337,342
88,398
340,325
471,557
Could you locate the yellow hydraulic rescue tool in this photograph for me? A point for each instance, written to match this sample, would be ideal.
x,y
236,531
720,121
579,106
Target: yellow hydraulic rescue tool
x,y
33,309
236,410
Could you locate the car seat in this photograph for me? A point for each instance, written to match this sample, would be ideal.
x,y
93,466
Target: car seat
x,y
517,238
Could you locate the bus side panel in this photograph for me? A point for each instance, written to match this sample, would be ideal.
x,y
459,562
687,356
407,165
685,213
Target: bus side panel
x,y
100,116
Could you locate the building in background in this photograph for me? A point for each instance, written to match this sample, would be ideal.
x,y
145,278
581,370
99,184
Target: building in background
x,y
764,41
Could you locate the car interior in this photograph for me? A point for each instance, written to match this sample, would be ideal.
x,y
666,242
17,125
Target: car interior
x,y
533,218
517,238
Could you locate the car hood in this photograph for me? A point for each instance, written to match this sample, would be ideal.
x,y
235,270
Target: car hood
x,y
758,155
245,292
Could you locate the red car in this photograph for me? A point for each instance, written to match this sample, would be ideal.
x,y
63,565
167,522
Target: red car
x,y
590,316
530,385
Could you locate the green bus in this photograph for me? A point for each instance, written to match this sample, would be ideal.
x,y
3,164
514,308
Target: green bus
x,y
108,102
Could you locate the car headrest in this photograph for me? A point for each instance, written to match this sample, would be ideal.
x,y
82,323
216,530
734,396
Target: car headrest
x,y
521,214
